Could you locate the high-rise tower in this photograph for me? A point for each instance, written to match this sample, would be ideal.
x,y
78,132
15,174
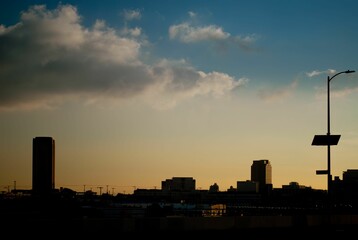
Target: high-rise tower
x,y
43,165
261,172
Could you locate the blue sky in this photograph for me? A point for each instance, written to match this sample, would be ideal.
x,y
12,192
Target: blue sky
x,y
158,89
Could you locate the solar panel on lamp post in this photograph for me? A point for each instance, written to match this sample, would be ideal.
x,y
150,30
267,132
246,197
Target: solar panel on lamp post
x,y
328,140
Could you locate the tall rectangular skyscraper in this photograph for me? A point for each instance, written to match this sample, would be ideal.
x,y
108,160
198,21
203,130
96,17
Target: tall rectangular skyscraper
x,y
261,172
43,165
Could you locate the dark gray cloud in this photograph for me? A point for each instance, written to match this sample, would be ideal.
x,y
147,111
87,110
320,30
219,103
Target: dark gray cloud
x,y
49,56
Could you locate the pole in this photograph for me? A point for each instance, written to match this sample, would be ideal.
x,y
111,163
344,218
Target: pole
x,y
328,135
329,176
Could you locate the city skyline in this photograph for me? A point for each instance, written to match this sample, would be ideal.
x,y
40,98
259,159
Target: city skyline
x,y
43,176
135,92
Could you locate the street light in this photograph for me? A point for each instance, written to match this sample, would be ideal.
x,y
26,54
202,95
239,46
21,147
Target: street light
x,y
323,140
329,176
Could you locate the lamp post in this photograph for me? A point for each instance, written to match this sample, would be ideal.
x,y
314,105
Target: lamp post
x,y
329,176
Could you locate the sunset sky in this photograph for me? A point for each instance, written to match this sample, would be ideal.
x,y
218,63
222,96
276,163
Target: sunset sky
x,y
136,92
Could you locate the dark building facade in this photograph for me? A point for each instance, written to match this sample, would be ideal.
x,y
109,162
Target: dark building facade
x,y
351,175
43,165
179,184
346,190
261,172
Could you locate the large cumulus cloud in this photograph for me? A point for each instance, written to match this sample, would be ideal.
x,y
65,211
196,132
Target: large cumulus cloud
x,y
50,56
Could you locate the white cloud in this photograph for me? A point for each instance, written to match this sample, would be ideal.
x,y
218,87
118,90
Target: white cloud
x,y
130,15
276,94
340,89
49,57
177,81
192,14
133,32
187,33
321,92
245,42
317,72
344,92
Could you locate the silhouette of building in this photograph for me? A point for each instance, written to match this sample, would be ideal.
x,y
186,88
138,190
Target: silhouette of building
x,y
43,165
247,186
179,184
261,172
351,175
214,188
294,185
347,188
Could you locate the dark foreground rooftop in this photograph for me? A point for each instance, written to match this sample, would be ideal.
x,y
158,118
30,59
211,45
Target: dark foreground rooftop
x,y
257,227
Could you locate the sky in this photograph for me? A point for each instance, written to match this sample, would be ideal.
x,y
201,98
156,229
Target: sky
x,y
137,92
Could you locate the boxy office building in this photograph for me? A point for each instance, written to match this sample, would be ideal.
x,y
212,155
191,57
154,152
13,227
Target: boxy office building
x,y
43,165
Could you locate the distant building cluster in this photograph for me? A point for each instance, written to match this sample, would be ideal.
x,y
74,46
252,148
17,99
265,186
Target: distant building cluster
x,y
43,173
178,197
261,181
257,190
